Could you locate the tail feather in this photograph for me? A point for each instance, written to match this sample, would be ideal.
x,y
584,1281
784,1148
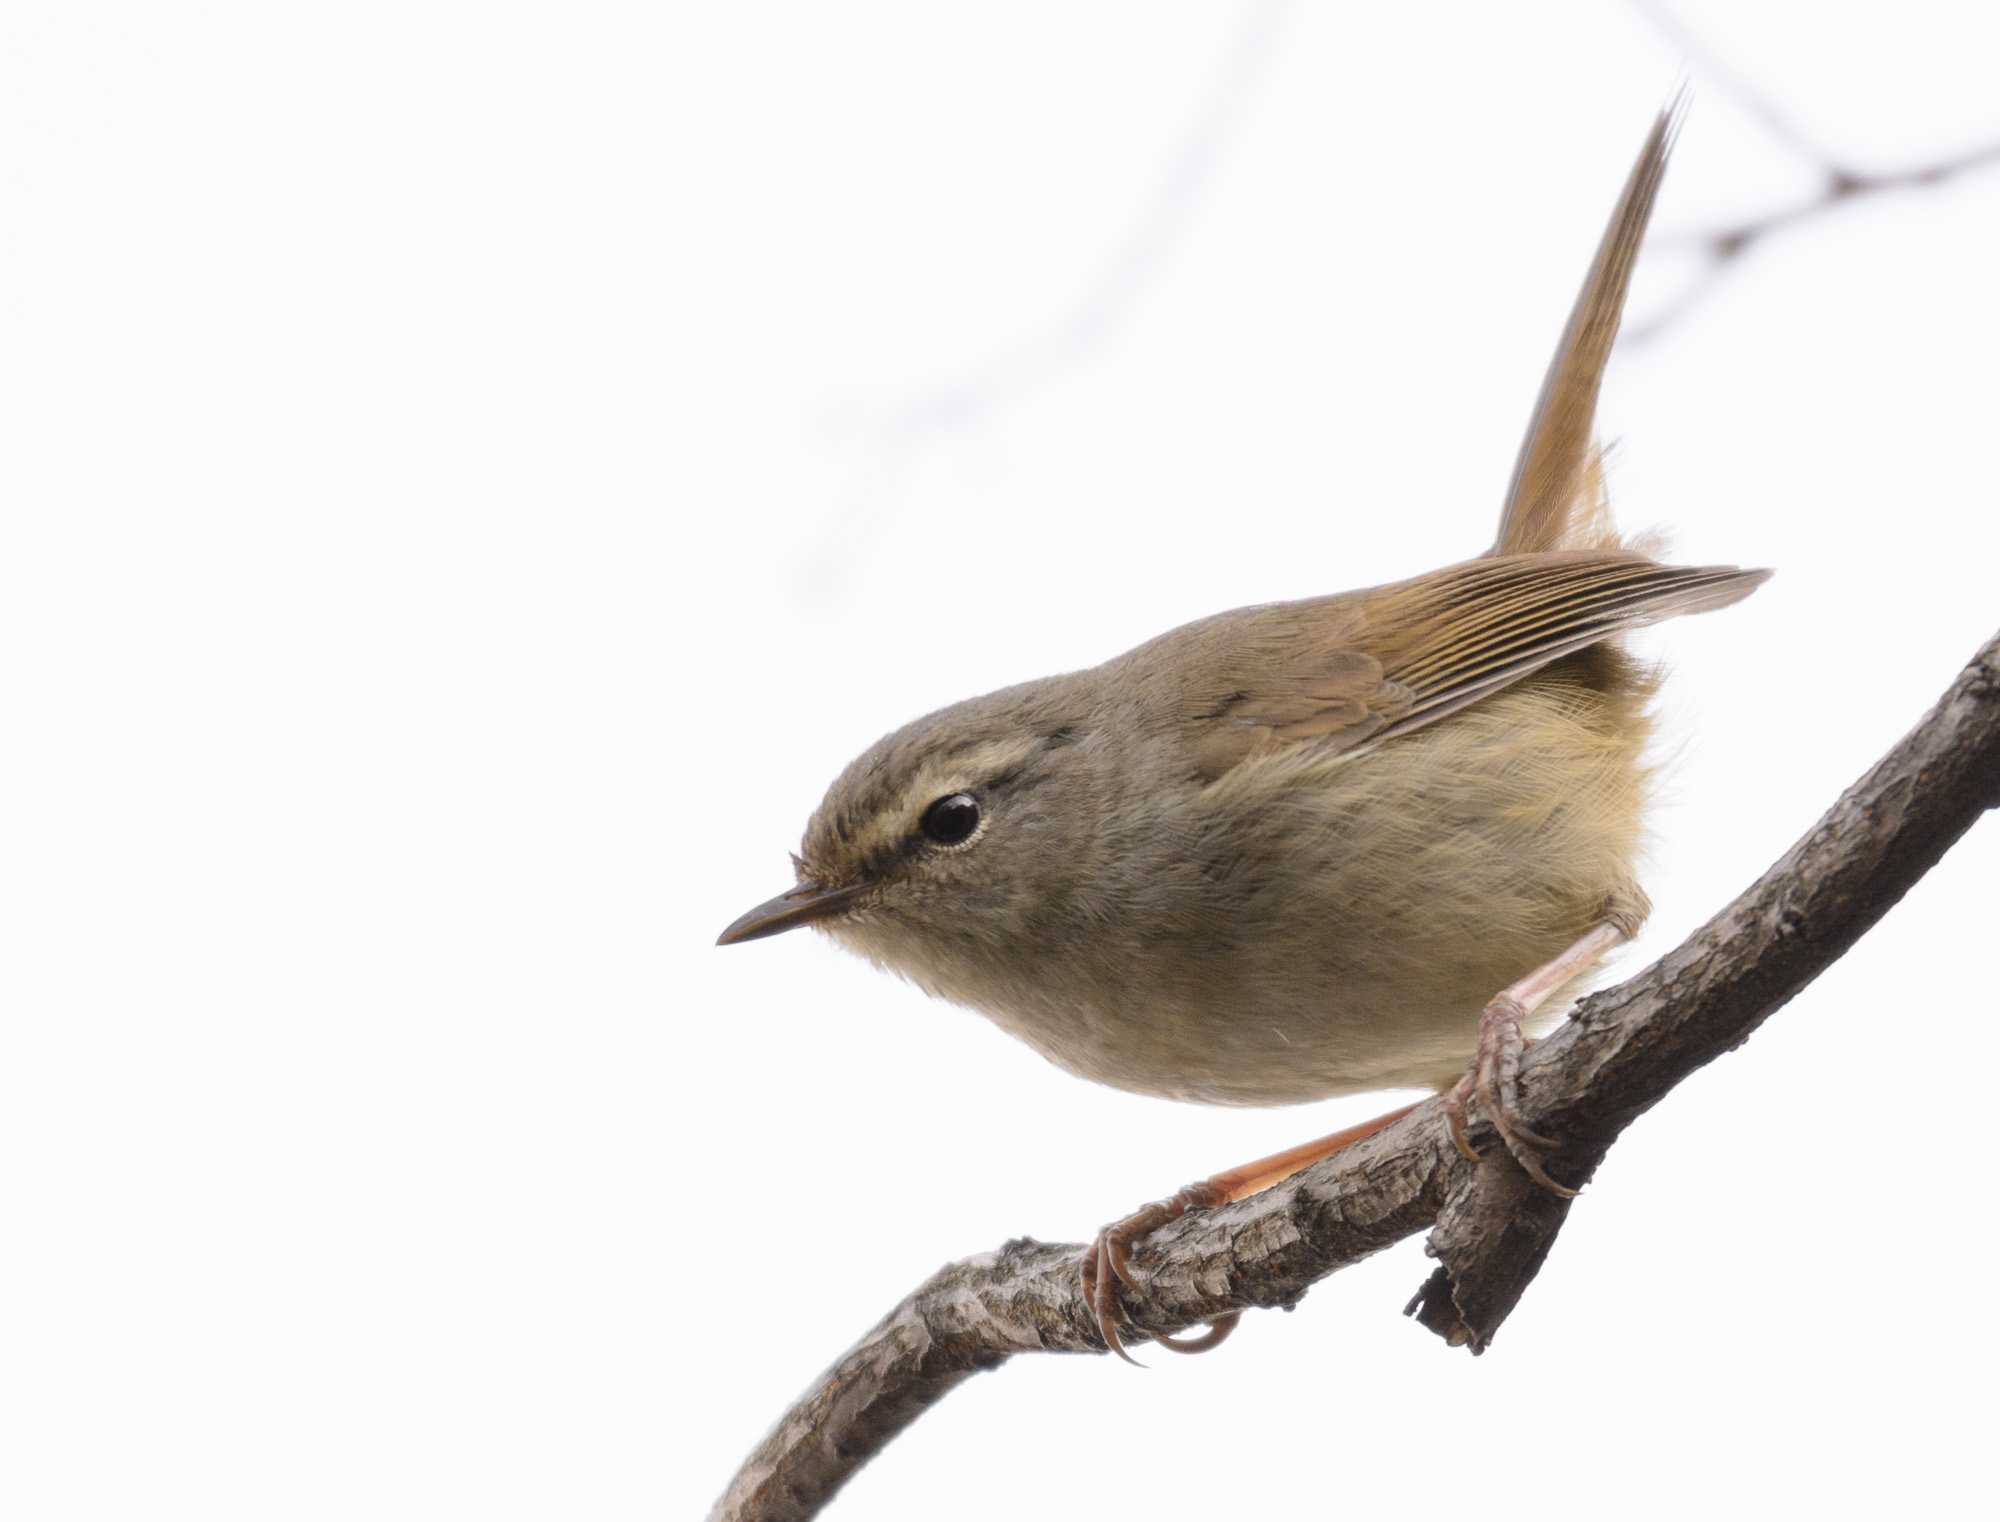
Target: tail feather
x,y
1556,500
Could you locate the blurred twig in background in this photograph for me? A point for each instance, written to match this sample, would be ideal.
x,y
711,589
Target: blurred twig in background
x,y
1722,247
955,404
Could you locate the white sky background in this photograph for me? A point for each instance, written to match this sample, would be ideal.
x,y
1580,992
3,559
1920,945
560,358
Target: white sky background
x,y
473,474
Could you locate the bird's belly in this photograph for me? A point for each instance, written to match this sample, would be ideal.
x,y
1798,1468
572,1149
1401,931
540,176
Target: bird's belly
x,y
1347,936
1251,1050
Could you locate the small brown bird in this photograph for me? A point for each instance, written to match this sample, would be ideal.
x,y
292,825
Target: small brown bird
x,y
1303,849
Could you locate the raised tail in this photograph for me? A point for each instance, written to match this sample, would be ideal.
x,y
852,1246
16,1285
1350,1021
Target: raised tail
x,y
1556,501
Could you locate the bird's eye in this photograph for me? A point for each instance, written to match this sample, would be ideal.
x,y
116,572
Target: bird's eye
x,y
951,820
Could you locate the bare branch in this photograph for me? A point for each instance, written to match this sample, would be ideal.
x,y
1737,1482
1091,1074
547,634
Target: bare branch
x,y
1618,1055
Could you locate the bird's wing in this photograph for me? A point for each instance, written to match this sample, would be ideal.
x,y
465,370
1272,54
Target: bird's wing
x,y
1339,672
1550,473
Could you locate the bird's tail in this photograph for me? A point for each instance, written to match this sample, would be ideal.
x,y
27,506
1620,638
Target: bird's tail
x,y
1556,500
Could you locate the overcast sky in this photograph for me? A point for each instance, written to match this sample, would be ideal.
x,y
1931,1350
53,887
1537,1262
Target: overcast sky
x,y
474,474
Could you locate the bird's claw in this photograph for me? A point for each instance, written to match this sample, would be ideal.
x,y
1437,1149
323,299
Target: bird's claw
x,y
1495,1077
1107,1263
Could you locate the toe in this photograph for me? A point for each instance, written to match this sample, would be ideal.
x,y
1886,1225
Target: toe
x,y
1100,1293
1526,1148
1218,1330
1454,1118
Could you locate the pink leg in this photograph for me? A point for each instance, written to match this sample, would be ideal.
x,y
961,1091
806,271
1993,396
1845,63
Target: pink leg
x,y
1495,1071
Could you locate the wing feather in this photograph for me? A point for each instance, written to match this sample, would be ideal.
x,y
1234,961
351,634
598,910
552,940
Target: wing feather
x,y
1392,660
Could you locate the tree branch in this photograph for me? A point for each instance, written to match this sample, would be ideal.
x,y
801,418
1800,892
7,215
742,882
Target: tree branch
x,y
1621,1052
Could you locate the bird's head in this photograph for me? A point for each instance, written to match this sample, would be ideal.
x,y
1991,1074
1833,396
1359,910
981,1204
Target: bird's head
x,y
944,840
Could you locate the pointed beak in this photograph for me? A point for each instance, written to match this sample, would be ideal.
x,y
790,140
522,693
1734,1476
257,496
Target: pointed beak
x,y
801,906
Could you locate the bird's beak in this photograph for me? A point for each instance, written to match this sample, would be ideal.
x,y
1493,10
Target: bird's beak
x,y
804,904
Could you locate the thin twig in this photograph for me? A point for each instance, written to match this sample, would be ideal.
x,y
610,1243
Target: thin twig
x,y
1841,184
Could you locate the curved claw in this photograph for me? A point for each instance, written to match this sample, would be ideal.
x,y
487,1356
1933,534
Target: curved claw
x,y
1102,1298
1107,1263
1518,1136
1117,1254
1526,1148
1500,1094
1454,1118
1494,1077
1218,1330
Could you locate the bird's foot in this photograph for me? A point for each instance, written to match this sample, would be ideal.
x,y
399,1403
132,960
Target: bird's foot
x,y
1494,1076
1107,1263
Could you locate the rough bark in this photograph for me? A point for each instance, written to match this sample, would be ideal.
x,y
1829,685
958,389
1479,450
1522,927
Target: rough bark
x,y
1621,1051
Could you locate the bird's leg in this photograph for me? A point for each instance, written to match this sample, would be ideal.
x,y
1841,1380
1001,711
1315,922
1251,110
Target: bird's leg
x,y
1495,1070
1108,1261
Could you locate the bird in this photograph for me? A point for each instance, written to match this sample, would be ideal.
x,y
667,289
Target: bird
x,y
1348,843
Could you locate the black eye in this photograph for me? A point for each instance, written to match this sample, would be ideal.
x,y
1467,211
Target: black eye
x,y
951,820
